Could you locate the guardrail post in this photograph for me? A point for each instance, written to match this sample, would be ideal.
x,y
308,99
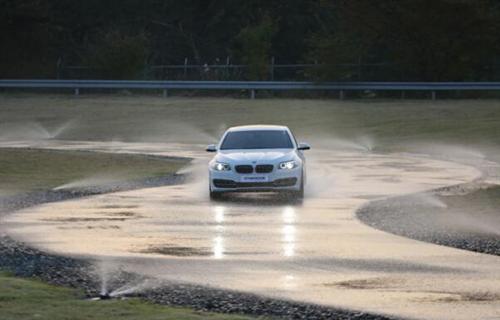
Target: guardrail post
x,y
77,91
252,94
433,94
403,95
165,93
341,95
185,68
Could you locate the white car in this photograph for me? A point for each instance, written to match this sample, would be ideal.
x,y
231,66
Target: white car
x,y
257,158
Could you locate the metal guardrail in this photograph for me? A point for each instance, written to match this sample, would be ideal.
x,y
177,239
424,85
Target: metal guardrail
x,y
253,86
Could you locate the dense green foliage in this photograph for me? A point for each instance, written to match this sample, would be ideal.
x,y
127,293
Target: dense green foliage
x,y
430,40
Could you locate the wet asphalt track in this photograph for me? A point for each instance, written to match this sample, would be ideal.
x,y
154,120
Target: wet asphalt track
x,y
315,251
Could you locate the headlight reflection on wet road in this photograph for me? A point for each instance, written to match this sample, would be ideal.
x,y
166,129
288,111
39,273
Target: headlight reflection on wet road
x,y
288,231
218,241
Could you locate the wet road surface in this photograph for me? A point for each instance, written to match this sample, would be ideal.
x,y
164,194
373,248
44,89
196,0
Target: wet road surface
x,y
315,251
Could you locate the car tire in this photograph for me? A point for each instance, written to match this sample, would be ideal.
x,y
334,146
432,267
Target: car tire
x,y
214,195
299,194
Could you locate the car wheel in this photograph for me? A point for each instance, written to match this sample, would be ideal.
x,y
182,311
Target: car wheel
x,y
214,195
299,194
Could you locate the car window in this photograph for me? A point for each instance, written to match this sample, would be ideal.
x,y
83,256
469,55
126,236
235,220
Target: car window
x,y
257,139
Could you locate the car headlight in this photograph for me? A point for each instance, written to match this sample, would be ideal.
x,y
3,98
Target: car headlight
x,y
219,166
288,165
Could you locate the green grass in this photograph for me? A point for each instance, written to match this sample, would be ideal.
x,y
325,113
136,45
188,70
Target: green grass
x,y
201,120
31,299
392,125
24,170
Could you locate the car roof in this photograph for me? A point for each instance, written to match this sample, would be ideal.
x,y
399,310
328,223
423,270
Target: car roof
x,y
257,127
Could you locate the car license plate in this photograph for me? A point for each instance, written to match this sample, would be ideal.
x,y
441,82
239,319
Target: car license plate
x,y
254,179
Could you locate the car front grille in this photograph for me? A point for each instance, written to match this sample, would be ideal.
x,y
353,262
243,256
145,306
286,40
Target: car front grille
x,y
244,169
264,168
261,168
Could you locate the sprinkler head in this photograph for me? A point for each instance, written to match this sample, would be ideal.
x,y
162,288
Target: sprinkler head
x,y
104,296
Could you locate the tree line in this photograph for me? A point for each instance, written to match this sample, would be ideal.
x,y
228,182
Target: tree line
x,y
399,40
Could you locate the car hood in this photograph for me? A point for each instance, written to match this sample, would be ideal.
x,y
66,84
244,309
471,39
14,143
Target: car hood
x,y
257,155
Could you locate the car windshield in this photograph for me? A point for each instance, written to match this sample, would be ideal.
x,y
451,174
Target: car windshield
x,y
257,139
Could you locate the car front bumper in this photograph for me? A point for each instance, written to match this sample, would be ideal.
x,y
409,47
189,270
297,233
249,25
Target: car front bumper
x,y
278,180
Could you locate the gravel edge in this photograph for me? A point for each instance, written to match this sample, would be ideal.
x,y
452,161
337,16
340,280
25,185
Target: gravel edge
x,y
386,215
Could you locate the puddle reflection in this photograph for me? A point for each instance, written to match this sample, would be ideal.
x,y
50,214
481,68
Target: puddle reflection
x,y
219,214
289,215
218,241
288,232
289,281
218,248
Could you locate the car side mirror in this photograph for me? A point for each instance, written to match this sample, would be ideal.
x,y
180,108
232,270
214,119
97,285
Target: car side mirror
x,y
211,148
303,146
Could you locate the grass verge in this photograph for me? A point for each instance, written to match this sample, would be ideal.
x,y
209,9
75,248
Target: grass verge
x,y
24,170
202,120
32,299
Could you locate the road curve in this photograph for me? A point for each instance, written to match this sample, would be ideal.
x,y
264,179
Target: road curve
x,y
315,252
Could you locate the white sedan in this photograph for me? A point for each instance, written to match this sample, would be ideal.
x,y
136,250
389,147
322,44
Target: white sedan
x,y
257,158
